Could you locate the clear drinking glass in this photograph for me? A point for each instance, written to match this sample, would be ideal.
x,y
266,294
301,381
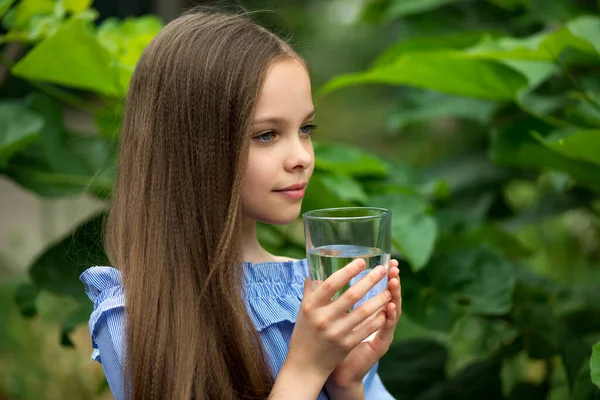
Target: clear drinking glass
x,y
336,236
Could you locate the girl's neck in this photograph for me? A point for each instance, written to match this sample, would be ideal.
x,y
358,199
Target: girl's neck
x,y
252,250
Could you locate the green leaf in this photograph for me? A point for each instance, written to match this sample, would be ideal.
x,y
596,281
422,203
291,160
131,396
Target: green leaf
x,y
490,235
26,10
57,270
25,297
109,119
77,6
542,328
345,188
75,318
374,10
413,230
87,65
126,40
586,27
581,145
595,364
33,20
402,8
537,47
515,146
480,281
344,160
473,282
20,128
575,355
455,41
319,195
449,72
584,387
4,6
409,367
62,163
434,105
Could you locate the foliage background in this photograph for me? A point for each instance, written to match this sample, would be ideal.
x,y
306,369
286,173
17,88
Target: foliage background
x,y
477,122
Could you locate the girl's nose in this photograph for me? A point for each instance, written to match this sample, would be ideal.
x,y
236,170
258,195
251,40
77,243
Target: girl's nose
x,y
300,155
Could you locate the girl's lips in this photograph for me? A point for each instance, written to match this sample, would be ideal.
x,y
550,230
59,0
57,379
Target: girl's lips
x,y
292,194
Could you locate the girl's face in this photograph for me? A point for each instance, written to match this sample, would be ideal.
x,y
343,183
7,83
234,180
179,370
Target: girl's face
x,y
281,154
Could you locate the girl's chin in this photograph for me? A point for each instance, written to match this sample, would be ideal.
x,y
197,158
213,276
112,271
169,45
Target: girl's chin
x,y
284,217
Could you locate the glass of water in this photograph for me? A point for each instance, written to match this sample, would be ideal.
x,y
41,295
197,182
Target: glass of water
x,y
336,236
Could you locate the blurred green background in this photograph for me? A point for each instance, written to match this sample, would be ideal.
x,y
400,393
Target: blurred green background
x,y
477,122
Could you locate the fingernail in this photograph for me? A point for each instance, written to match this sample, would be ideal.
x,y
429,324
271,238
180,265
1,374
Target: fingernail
x,y
380,270
388,294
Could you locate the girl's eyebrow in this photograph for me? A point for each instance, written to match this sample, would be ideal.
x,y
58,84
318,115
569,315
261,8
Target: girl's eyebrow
x,y
278,120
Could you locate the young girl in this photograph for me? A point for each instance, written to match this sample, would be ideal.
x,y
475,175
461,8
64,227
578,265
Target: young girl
x,y
216,137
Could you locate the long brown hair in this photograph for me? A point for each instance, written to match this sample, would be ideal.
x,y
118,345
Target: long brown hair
x,y
175,222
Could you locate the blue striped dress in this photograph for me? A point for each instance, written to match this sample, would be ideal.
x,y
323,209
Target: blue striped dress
x,y
272,292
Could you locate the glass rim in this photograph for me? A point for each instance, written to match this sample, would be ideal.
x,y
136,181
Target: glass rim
x,y
381,213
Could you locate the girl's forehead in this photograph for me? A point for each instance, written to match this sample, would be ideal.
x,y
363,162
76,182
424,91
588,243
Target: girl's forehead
x,y
286,91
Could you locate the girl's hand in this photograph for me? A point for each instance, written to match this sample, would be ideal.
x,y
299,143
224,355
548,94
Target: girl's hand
x,y
324,333
349,374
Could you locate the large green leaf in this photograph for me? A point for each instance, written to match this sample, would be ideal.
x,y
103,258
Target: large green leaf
x,y
537,47
456,41
480,281
25,297
76,6
581,145
63,163
4,6
584,387
409,367
595,364
586,27
432,105
346,188
319,195
86,64
401,8
514,145
58,268
475,282
490,235
20,128
126,40
449,72
413,230
344,160
74,319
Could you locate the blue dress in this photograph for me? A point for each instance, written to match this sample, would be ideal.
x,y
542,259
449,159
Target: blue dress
x,y
272,292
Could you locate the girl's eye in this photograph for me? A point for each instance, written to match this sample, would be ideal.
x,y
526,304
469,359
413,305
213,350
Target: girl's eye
x,y
265,137
307,129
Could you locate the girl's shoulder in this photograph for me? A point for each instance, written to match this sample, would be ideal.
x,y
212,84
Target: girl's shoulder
x,y
101,281
285,259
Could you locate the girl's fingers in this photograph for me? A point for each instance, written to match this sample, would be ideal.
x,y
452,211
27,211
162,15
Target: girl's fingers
x,y
371,326
385,335
367,309
393,311
359,290
396,290
329,287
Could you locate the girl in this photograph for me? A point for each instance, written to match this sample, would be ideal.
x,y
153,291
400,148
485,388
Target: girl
x,y
216,137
